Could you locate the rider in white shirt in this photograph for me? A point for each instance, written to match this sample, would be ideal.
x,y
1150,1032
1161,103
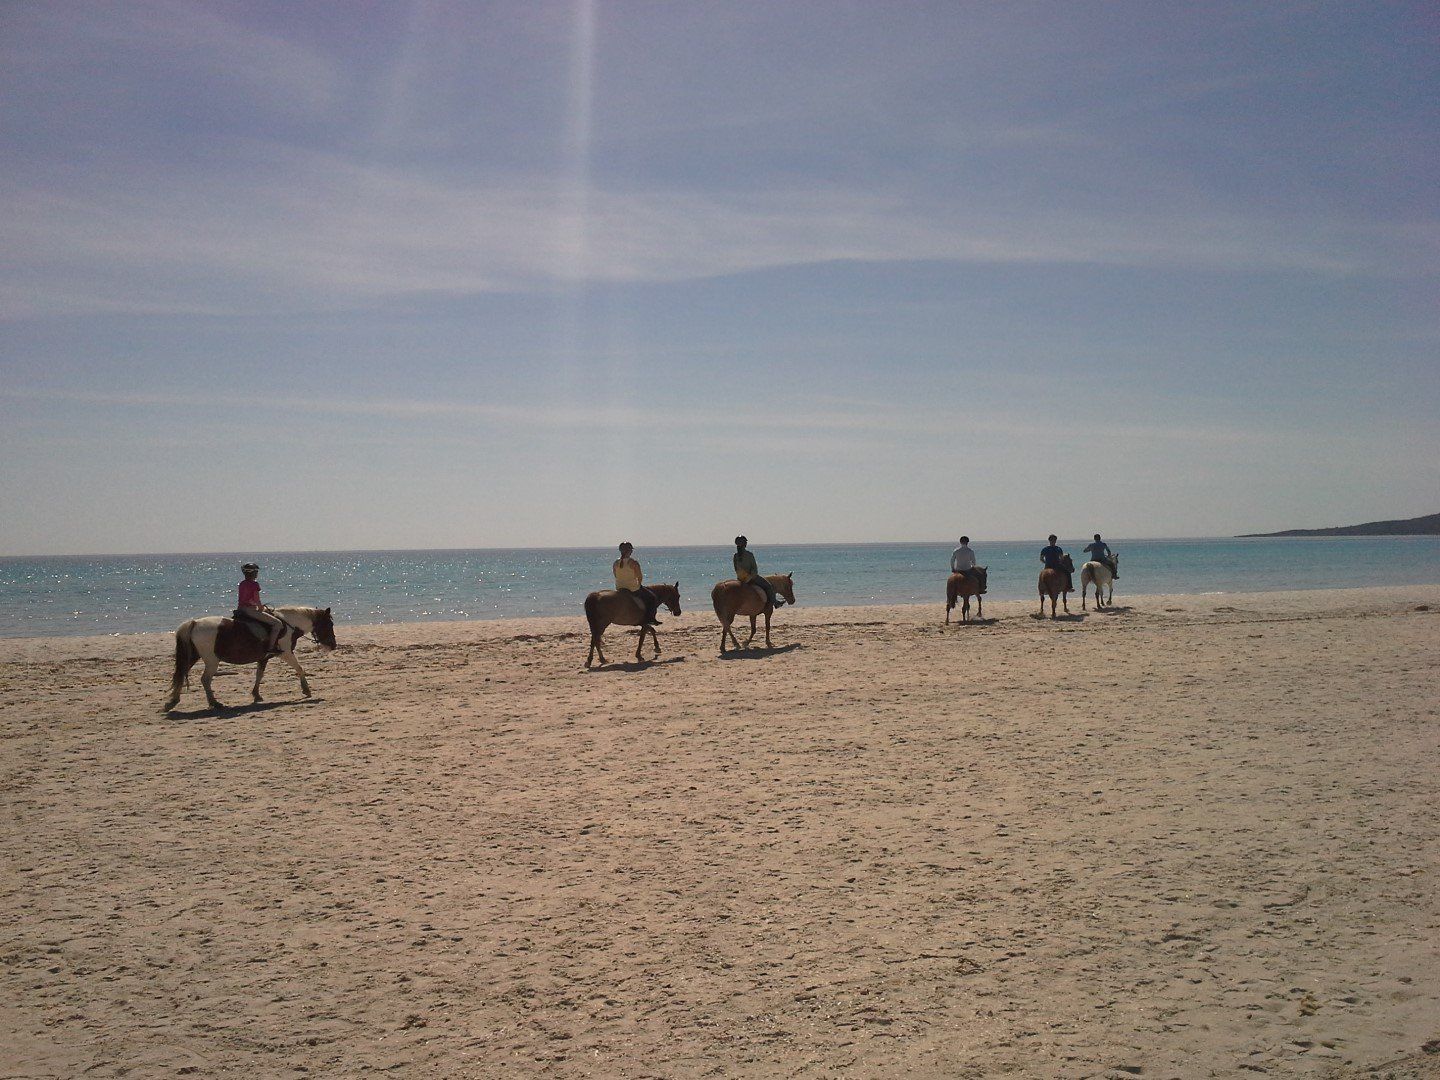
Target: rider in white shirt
x,y
962,559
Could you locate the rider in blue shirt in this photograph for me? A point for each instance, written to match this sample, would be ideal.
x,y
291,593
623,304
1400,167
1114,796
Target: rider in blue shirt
x,y
1100,552
1051,557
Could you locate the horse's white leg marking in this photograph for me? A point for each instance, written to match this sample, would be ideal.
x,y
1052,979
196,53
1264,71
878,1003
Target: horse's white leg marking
x,y
259,674
290,659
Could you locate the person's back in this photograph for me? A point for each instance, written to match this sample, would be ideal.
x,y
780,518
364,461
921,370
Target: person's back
x,y
962,559
1099,551
1052,555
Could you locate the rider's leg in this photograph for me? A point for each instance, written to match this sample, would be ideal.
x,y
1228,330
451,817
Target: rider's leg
x,y
770,596
274,622
652,606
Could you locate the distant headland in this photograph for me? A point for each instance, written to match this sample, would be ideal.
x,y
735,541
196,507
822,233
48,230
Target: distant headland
x,y
1429,525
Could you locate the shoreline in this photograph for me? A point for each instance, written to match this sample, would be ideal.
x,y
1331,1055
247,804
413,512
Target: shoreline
x,y
694,618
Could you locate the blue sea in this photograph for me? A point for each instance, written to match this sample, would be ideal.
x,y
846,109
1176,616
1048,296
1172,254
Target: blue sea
x,y
128,593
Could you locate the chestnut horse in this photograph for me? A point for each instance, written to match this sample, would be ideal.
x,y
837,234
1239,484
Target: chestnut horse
x,y
964,586
732,598
1100,575
615,607
214,639
1053,584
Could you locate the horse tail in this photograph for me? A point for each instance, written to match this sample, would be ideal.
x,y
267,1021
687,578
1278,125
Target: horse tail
x,y
592,614
186,657
715,594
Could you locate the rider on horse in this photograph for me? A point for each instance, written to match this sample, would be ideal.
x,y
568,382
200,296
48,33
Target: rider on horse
x,y
251,608
962,561
629,578
747,573
1100,552
1054,559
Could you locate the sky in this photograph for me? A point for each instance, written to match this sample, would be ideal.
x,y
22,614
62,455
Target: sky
x,y
281,276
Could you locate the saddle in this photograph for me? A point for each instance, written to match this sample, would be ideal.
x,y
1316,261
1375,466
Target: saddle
x,y
242,617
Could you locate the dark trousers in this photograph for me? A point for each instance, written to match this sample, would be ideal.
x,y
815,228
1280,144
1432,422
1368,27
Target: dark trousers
x,y
764,583
650,600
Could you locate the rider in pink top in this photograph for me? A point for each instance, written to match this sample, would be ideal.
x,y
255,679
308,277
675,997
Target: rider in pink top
x,y
253,609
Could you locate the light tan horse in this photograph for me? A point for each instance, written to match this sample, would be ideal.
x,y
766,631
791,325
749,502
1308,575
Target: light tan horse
x,y
614,607
732,598
1052,584
963,586
214,639
1100,575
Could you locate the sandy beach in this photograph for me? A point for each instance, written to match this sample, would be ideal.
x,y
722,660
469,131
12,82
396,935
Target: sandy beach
x,y
1189,836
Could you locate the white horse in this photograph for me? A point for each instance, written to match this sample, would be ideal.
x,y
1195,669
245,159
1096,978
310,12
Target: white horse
x,y
215,638
1099,575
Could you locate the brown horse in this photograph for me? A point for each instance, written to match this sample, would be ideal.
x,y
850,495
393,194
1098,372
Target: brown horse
x,y
215,639
1056,583
614,607
732,598
963,586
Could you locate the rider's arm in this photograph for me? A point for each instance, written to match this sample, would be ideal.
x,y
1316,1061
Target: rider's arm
x,y
639,574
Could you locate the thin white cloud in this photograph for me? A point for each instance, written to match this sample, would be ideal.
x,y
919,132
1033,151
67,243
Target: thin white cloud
x,y
855,419
145,39
291,231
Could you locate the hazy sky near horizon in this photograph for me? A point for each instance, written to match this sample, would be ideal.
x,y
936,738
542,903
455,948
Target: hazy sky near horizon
x,y
377,275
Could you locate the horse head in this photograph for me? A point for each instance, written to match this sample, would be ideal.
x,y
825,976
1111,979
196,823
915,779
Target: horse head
x,y
322,629
669,596
786,587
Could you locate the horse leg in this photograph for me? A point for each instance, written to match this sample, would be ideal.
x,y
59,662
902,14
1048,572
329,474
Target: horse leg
x,y
725,629
259,674
641,643
655,640
965,611
211,664
980,607
767,629
289,655
752,632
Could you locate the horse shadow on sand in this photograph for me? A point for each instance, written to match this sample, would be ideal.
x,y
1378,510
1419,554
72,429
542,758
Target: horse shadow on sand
x,y
974,622
759,653
231,711
632,665
1070,616
1113,609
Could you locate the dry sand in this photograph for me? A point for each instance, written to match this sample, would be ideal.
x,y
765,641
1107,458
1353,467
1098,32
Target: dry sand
x,y
1190,836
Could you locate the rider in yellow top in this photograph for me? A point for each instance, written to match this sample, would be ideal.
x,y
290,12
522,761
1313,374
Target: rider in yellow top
x,y
747,573
630,578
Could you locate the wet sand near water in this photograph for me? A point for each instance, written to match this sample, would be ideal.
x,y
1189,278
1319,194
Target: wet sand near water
x,y
1190,836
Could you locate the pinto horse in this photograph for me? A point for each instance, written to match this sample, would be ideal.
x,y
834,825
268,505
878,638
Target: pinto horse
x,y
615,607
1054,583
731,598
963,586
214,639
1101,576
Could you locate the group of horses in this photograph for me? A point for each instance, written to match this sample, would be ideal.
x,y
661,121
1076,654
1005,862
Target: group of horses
x,y
215,639
732,599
